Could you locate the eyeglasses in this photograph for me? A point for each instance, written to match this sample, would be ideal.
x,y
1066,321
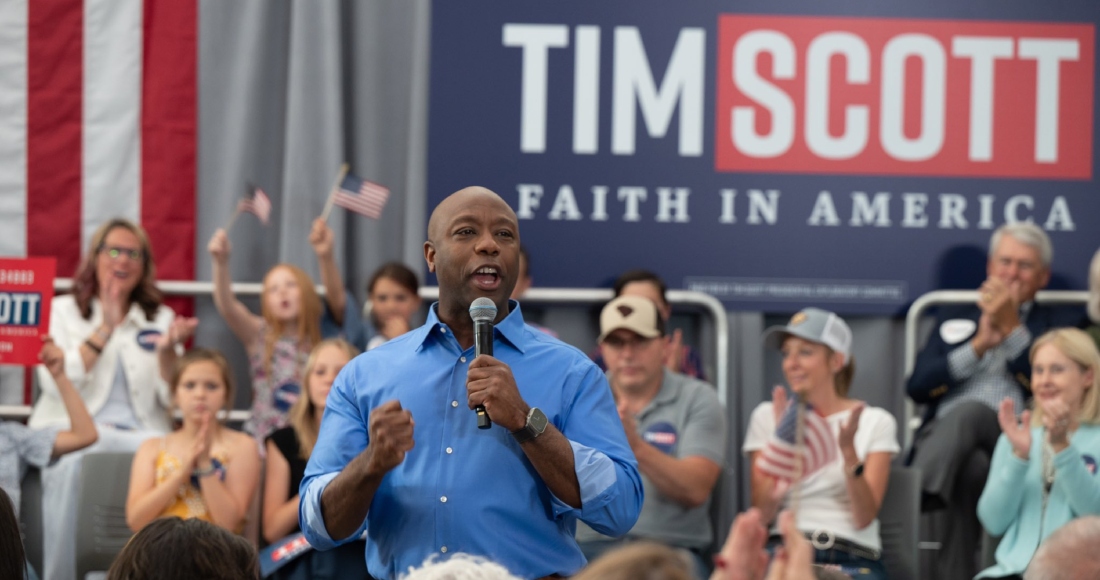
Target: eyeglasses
x,y
115,252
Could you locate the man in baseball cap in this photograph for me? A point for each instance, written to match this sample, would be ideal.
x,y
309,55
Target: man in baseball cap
x,y
675,426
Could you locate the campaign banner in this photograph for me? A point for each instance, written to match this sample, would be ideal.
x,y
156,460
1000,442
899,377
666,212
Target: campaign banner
x,y
26,289
775,154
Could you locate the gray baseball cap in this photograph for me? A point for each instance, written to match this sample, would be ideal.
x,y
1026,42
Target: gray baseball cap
x,y
814,325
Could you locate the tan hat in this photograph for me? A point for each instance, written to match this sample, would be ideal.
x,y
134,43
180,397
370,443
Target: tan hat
x,y
634,313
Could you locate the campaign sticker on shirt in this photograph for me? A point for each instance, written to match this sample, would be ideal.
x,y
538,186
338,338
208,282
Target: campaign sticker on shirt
x,y
1090,463
285,396
662,436
147,339
957,330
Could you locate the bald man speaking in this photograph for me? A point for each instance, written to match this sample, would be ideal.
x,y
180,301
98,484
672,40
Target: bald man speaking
x,y
400,454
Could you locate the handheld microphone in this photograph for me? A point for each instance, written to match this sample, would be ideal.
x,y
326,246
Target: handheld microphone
x,y
484,312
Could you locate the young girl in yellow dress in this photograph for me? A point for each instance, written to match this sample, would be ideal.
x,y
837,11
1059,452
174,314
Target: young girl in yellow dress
x,y
202,469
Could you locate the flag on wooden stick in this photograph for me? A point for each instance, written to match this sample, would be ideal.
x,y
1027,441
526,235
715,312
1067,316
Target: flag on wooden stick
x,y
361,196
256,203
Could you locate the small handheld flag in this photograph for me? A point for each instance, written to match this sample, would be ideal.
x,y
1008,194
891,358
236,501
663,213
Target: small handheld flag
x,y
257,204
360,196
787,458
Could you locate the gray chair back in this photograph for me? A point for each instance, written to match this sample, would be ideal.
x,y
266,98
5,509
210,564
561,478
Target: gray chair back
x,y
101,529
899,524
30,516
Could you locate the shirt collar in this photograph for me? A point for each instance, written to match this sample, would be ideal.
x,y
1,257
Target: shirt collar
x,y
512,329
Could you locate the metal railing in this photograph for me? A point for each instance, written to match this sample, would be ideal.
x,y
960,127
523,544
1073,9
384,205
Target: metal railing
x,y
926,301
561,296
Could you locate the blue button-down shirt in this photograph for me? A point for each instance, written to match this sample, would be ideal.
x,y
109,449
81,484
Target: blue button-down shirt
x,y
463,489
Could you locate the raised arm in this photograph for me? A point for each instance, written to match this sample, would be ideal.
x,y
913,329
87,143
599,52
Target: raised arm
x,y
244,324
322,240
82,431
179,331
866,490
280,515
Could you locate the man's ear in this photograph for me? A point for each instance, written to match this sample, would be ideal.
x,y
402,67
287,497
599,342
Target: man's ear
x,y
429,256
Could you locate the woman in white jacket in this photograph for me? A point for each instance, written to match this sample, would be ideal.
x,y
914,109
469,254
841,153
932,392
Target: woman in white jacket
x,y
113,330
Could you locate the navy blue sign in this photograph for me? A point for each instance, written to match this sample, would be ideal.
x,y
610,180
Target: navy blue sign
x,y
793,153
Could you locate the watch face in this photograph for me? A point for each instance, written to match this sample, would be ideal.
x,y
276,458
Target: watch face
x,y
536,420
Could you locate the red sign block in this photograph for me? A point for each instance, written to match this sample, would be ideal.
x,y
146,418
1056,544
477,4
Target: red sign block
x,y
904,97
26,289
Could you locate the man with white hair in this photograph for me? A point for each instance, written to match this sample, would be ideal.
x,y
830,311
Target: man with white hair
x,y
976,357
1069,553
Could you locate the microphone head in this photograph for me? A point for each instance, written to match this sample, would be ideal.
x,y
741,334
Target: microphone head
x,y
483,310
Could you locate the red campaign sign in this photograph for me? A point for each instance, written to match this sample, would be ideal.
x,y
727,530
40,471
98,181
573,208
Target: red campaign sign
x,y
26,289
904,97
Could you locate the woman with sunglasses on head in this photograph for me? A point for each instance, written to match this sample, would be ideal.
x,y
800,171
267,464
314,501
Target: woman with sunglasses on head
x,y
115,334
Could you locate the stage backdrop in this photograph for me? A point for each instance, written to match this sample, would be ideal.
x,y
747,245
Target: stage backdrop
x,y
843,154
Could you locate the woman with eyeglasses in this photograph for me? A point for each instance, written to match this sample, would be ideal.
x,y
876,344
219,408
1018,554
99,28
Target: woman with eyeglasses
x,y
114,331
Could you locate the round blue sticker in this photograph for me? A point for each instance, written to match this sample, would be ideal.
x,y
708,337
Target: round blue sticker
x,y
285,396
661,435
147,339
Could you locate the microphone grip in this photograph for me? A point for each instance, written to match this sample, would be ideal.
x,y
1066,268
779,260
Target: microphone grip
x,y
483,344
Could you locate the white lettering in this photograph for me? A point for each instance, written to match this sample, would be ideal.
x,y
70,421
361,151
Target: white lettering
x,y
763,209
632,195
913,215
586,90
1048,54
565,205
1012,206
1059,218
983,51
670,209
856,117
824,212
599,203
876,213
985,222
729,196
683,81
952,206
535,40
933,97
529,196
779,105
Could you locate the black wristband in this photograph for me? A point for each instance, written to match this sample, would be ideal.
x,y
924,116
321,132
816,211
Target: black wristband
x,y
88,343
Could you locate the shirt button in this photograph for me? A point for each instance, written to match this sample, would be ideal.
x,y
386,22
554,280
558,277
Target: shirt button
x,y
449,450
463,359
443,331
443,499
443,549
454,403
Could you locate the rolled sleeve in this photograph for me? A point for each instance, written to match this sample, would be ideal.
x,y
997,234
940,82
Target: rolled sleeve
x,y
310,518
963,362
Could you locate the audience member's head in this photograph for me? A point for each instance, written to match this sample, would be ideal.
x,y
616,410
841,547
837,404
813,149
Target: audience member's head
x,y
324,363
120,252
1020,255
822,332
1079,382
176,549
1069,553
205,363
640,561
633,343
524,280
12,558
393,291
647,285
1094,288
459,567
290,303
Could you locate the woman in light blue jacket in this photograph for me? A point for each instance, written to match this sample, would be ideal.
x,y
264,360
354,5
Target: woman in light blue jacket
x,y
1043,472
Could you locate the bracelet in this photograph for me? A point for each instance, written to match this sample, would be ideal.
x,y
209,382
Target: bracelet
x,y
215,467
205,472
88,343
103,335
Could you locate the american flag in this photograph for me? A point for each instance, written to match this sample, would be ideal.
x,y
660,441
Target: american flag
x,y
361,196
257,204
819,448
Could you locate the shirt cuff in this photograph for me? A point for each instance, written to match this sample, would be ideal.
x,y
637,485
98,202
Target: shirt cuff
x,y
309,513
962,362
595,474
1017,341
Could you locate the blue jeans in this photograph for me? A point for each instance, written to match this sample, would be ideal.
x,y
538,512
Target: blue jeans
x,y
857,567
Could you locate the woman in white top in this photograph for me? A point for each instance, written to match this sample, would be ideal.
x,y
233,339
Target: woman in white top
x,y
838,502
113,330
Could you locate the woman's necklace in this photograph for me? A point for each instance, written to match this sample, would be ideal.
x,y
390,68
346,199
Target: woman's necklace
x,y
1048,468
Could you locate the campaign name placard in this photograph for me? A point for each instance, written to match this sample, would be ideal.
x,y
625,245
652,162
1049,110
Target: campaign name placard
x,y
26,289
776,155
